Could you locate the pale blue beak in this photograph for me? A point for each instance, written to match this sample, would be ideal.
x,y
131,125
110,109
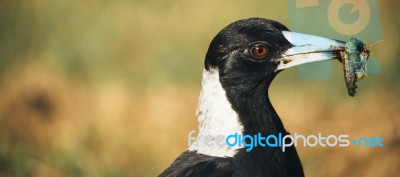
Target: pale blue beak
x,y
308,48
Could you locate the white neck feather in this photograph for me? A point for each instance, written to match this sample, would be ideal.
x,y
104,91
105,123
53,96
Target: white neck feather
x,y
216,117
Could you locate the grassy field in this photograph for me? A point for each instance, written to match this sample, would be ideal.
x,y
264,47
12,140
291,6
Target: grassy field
x,y
110,88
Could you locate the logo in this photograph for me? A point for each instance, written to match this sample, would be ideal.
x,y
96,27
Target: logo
x,y
249,142
336,19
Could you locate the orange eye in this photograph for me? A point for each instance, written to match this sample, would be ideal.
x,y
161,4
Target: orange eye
x,y
259,51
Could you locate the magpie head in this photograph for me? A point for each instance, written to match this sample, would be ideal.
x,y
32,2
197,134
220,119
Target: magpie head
x,y
250,52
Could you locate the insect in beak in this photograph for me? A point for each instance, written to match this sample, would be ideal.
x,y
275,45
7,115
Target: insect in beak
x,y
354,60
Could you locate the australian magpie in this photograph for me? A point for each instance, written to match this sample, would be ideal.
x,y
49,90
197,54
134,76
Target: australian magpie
x,y
241,62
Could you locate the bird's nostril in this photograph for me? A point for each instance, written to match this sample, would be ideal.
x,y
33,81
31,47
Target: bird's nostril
x,y
286,61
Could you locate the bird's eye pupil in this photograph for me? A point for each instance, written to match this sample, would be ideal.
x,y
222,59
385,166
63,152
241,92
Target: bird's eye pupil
x,y
259,51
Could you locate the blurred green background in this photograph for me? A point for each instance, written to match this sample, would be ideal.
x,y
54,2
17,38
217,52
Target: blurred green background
x,y
110,88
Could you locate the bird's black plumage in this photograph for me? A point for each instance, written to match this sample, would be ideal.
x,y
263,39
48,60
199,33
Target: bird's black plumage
x,y
246,79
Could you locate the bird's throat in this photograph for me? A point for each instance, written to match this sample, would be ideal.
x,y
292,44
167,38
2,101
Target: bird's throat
x,y
225,111
258,116
253,106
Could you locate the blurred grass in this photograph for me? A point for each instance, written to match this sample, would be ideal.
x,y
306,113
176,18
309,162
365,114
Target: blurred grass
x,y
110,88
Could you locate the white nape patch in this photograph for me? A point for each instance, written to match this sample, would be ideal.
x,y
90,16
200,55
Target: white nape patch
x,y
216,118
